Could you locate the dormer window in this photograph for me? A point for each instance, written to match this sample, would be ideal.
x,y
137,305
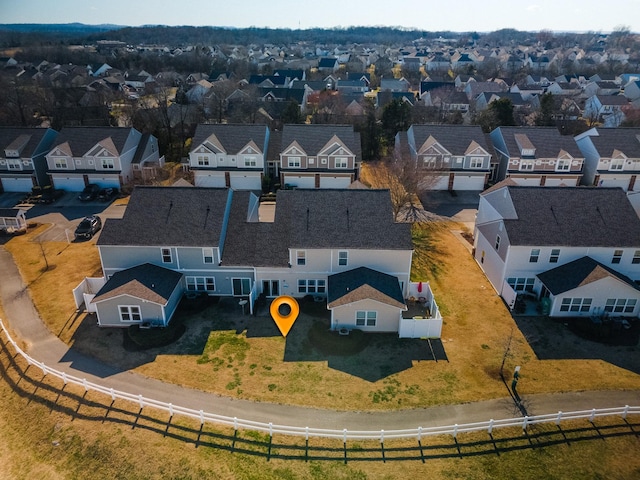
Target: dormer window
x,y
563,165
616,164
60,163
108,163
14,164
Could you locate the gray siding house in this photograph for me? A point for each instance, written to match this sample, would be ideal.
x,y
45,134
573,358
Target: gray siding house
x,y
339,245
22,158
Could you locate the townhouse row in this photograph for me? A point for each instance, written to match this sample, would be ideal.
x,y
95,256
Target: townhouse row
x,y
242,157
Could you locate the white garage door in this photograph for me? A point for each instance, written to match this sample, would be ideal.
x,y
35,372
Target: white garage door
x,y
300,181
245,182
468,182
73,184
335,182
615,182
211,180
104,182
17,184
436,182
527,182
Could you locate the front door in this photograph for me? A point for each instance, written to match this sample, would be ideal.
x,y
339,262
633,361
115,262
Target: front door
x,y
271,288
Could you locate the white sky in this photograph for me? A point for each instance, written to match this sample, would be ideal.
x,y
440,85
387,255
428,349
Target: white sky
x,y
457,15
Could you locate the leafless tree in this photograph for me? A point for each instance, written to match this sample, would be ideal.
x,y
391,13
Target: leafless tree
x,y
407,182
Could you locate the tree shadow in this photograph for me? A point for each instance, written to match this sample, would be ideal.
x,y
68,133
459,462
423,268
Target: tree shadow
x,y
554,340
28,383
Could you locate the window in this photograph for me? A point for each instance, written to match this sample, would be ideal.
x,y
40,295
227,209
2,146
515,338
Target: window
x,y
130,313
430,162
201,284
294,162
60,162
497,242
250,161
241,286
166,255
521,284
555,255
341,162
312,286
301,257
476,162
616,164
563,165
527,165
343,259
575,305
203,160
535,254
207,255
617,256
14,164
108,163
620,305
366,318
636,257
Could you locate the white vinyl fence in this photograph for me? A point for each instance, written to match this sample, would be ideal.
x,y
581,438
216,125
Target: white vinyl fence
x,y
344,435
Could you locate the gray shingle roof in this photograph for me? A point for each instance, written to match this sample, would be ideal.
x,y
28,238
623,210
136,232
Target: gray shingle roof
x,y
9,135
233,137
146,282
578,273
358,219
547,141
455,138
83,139
627,140
162,216
572,216
312,138
363,284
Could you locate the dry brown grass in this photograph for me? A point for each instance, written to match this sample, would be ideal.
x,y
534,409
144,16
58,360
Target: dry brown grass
x,y
51,287
217,355
46,433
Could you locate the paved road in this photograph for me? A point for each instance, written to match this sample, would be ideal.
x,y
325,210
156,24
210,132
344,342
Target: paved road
x,y
44,346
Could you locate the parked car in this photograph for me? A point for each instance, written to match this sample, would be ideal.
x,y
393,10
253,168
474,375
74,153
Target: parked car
x,y
88,227
89,193
106,194
50,195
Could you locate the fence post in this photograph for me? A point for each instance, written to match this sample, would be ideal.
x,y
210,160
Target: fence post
x,y
306,433
419,433
64,378
43,367
344,436
490,429
140,401
525,422
171,410
625,411
270,429
593,415
382,436
455,431
558,418
235,423
84,384
201,417
113,396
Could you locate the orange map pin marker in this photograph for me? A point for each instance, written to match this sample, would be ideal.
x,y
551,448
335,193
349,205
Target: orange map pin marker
x,y
284,322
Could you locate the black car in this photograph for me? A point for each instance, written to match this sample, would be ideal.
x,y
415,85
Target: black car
x,y
89,193
106,194
88,227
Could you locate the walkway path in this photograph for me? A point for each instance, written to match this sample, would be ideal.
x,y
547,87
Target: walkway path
x,y
44,346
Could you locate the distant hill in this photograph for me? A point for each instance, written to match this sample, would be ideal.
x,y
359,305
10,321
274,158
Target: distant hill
x,y
68,28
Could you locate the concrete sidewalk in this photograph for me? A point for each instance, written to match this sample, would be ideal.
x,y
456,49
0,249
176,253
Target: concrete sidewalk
x,y
44,346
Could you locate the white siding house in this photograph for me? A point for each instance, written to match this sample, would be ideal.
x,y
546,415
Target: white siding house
x,y
523,235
